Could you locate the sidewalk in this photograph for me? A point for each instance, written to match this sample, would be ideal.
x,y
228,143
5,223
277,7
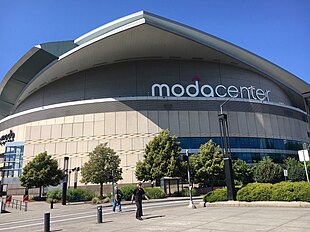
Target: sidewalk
x,y
168,218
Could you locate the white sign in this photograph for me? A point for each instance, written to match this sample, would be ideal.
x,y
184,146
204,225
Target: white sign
x,y
285,172
193,90
303,155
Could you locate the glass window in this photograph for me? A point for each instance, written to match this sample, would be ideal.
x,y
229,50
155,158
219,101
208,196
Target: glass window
x,y
13,159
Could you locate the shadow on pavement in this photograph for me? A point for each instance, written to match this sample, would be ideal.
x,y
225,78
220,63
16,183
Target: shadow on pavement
x,y
155,216
106,221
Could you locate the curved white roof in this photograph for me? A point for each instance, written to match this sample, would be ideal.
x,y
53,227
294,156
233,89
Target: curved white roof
x,y
141,35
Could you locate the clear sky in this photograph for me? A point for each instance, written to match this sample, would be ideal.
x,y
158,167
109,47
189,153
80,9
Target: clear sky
x,y
277,30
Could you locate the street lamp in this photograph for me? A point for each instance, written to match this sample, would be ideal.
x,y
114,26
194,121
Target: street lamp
x,y
227,157
1,182
64,185
191,203
112,180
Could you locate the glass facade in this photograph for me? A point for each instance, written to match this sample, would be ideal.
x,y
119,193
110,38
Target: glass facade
x,y
13,159
250,150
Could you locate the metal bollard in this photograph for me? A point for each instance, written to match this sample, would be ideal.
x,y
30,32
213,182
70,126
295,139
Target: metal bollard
x,y
52,204
47,218
99,214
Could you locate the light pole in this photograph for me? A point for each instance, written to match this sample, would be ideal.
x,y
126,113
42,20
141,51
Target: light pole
x,y
191,203
64,185
227,159
113,194
1,181
231,192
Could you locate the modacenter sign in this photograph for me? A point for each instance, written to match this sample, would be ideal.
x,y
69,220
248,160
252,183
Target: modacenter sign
x,y
195,90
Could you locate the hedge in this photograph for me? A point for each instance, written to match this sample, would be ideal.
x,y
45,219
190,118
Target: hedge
x,y
79,195
155,193
283,191
185,192
54,195
255,192
127,191
72,195
216,195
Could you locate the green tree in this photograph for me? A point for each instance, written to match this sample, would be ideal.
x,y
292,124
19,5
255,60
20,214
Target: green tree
x,y
242,171
98,169
295,169
208,164
161,158
42,171
268,172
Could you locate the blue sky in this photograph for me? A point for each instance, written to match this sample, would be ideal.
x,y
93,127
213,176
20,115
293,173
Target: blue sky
x,y
277,30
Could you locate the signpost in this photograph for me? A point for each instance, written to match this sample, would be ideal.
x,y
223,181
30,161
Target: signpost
x,y
285,172
304,156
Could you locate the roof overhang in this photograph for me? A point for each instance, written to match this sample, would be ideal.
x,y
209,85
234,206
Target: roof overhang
x,y
138,36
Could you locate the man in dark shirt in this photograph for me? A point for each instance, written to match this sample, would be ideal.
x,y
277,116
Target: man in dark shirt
x,y
138,195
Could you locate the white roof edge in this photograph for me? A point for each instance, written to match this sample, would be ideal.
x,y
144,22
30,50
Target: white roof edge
x,y
227,48
16,66
103,35
231,50
108,27
259,63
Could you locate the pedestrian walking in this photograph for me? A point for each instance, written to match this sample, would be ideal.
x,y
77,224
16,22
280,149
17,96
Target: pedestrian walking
x,y
138,195
117,199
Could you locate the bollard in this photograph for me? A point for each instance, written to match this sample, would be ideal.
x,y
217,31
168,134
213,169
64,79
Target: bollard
x,y
47,222
52,204
99,214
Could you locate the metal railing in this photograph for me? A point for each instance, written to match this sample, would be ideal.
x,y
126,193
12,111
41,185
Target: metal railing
x,y
14,204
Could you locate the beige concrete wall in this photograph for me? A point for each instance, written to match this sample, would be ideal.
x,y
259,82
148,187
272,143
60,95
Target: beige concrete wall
x,y
128,133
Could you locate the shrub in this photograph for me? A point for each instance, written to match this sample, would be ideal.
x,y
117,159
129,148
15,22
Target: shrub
x,y
79,195
54,195
268,172
295,169
242,172
100,200
95,201
155,193
255,192
185,192
127,191
216,195
285,191
304,191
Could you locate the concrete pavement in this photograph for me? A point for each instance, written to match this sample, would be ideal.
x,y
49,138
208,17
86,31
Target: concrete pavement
x,y
160,216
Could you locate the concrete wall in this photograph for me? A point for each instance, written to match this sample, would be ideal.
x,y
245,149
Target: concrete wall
x,y
128,132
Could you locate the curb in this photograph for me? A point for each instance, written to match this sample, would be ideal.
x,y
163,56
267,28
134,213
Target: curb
x,y
291,204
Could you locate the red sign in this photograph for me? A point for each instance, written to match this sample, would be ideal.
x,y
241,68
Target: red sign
x,y
8,199
26,198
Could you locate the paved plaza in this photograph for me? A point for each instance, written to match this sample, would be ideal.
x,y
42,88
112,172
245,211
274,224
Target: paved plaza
x,y
160,216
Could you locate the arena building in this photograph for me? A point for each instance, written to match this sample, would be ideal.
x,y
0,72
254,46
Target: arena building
x,y
125,81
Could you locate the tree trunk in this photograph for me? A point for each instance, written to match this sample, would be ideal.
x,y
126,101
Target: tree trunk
x,y
40,191
101,190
